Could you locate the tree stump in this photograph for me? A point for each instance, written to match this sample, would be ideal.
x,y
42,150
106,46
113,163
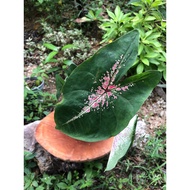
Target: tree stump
x,y
56,152
47,163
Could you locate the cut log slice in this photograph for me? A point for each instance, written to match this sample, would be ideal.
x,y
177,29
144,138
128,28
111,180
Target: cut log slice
x,y
66,148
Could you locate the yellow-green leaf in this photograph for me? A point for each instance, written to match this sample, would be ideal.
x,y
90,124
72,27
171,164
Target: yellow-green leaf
x,y
141,46
140,68
149,18
145,61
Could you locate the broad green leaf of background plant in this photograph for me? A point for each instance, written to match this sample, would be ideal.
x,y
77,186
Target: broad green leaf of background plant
x,y
50,57
140,68
121,144
51,47
68,46
40,1
95,104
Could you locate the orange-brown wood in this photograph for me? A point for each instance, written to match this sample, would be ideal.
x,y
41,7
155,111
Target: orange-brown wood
x,y
67,148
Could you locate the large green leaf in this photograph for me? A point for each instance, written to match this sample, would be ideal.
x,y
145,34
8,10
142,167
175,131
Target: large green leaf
x,y
95,105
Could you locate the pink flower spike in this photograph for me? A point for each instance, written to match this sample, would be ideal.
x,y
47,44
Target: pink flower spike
x,y
100,91
109,94
118,89
124,88
110,87
95,105
105,85
115,97
99,100
106,78
115,66
86,109
103,100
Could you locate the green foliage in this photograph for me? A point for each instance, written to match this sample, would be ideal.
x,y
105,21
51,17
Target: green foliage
x,y
94,15
96,85
67,65
59,85
64,38
153,171
55,51
52,10
30,183
148,18
156,146
40,72
58,37
37,104
28,164
117,25
67,181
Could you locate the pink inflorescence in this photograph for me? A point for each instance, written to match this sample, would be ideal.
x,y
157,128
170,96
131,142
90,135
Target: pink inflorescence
x,y
99,99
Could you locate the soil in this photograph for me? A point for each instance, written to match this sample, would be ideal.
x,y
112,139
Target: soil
x,y
153,112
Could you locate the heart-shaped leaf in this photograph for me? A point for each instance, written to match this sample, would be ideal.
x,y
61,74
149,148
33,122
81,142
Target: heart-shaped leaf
x,y
96,105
